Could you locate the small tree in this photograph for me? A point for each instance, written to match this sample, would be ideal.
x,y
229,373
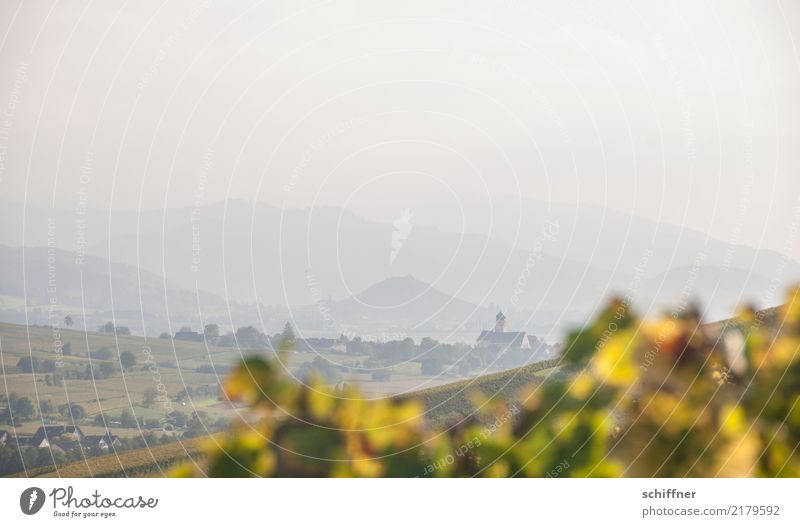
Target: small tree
x,y
149,396
100,420
179,418
48,366
107,369
427,344
185,394
319,368
211,331
23,408
72,411
287,336
195,426
128,359
28,364
432,366
46,407
127,419
102,353
248,336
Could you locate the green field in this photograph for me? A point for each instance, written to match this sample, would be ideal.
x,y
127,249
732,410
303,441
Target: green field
x,y
157,362
160,364
173,364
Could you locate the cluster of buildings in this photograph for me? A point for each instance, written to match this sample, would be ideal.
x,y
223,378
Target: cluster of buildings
x,y
62,439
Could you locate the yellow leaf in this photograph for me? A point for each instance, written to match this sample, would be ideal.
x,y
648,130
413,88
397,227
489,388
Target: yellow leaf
x,y
614,363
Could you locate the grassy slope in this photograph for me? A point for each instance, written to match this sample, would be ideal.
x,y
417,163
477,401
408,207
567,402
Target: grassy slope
x,y
452,403
175,368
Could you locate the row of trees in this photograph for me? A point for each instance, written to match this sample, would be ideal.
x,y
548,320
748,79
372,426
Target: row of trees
x,y
108,327
33,364
193,424
245,336
24,409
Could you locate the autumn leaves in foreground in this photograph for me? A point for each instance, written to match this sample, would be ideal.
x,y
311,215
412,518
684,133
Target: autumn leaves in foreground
x,y
667,398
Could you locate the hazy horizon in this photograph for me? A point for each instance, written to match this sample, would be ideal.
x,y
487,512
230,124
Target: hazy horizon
x,y
533,156
663,112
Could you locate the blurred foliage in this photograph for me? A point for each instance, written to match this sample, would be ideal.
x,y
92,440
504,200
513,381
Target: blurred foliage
x,y
669,398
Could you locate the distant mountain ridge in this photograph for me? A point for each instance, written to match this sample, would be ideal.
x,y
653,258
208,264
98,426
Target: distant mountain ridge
x,y
406,302
254,252
52,278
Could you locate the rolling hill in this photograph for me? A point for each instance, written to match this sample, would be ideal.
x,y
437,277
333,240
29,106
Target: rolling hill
x,y
50,281
406,302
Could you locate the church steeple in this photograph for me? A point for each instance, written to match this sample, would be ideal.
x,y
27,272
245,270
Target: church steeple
x,y
499,322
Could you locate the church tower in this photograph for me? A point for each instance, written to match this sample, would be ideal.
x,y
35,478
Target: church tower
x,y
499,322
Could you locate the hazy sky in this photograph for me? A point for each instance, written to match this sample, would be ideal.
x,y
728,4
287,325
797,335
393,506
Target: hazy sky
x,y
688,111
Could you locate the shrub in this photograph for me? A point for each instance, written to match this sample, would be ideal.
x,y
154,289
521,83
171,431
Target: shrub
x,y
101,354
128,359
28,364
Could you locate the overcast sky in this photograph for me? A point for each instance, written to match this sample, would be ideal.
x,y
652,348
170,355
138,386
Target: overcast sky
x,y
686,112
